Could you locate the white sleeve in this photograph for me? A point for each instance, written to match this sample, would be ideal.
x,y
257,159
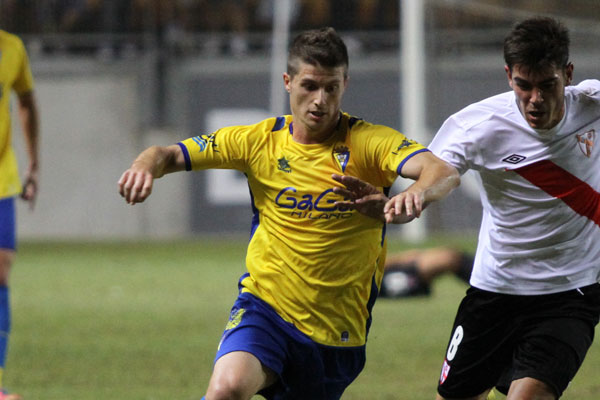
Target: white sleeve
x,y
452,144
591,87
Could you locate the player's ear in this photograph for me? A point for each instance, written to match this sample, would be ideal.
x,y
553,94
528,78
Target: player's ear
x,y
569,73
287,80
508,75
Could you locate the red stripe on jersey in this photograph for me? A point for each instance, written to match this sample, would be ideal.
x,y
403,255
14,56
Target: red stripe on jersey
x,y
563,185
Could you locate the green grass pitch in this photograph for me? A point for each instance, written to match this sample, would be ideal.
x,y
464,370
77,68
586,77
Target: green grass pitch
x,y
141,321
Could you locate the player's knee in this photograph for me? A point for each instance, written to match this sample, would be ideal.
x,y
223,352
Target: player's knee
x,y
530,389
225,389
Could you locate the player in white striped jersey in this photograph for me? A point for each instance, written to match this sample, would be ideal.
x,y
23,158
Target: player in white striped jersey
x,y
528,320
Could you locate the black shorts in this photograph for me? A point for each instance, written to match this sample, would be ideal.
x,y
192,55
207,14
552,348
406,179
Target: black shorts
x,y
498,338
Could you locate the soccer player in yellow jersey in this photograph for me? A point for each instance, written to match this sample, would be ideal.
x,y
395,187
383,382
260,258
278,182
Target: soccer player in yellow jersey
x,y
299,326
15,75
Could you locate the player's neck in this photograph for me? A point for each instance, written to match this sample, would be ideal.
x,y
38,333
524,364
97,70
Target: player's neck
x,y
303,134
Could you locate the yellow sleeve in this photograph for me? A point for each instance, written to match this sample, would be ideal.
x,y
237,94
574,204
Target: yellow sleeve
x,y
385,151
227,148
24,80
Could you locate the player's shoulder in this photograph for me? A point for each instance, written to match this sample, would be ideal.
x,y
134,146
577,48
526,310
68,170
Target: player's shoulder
x,y
359,127
586,89
275,124
10,40
484,110
261,128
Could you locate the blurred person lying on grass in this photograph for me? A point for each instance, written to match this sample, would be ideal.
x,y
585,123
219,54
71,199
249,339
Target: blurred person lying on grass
x,y
411,272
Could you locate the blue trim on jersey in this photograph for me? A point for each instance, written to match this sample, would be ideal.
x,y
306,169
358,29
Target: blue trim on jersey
x,y
383,231
291,128
240,286
186,155
399,169
279,123
352,121
255,212
8,224
372,297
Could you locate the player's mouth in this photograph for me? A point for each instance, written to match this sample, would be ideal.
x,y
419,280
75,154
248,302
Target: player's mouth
x,y
536,115
317,115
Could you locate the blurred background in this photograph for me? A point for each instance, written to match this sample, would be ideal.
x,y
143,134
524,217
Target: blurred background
x,y
115,76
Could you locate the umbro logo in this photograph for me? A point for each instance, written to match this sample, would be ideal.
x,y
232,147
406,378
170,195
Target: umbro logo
x,y
514,159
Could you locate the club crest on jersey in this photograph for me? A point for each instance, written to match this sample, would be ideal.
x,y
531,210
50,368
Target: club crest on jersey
x,y
284,165
586,142
341,155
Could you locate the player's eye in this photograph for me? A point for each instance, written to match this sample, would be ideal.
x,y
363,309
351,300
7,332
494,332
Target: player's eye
x,y
524,86
547,86
310,87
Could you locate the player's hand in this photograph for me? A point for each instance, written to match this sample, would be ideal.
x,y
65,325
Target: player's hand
x,y
405,206
135,185
361,196
30,188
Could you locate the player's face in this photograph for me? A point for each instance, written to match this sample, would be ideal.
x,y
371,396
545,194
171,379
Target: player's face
x,y
315,100
540,94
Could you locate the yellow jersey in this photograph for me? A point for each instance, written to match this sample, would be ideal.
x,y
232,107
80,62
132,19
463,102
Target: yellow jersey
x,y
15,74
317,264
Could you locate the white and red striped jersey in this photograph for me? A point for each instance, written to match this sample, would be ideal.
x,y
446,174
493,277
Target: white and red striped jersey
x,y
540,231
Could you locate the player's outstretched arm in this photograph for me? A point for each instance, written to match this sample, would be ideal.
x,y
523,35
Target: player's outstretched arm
x,y
135,185
434,179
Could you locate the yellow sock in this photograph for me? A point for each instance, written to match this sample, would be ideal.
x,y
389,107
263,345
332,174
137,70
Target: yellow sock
x,y
492,395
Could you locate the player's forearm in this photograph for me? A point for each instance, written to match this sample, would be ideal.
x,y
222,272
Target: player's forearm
x,y
438,180
135,184
158,161
29,117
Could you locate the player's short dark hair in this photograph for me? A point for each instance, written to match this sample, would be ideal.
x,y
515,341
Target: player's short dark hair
x,y
537,43
319,47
